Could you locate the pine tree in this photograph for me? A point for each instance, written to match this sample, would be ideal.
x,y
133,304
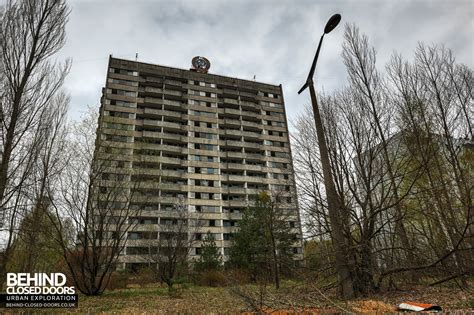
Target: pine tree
x,y
210,258
263,244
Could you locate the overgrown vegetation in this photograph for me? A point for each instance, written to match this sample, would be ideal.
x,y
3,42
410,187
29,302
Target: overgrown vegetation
x,y
401,149
402,160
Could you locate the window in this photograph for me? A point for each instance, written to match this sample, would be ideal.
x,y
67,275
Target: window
x,y
142,235
123,71
229,223
210,170
120,114
122,92
138,220
208,209
212,222
123,82
204,135
200,113
137,250
118,126
279,165
122,103
202,146
205,170
204,195
116,138
280,176
203,182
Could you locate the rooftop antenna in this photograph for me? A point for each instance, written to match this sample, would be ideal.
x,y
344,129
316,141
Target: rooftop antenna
x,y
254,77
136,56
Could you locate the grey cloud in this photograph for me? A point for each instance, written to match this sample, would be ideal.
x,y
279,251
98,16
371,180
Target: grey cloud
x,y
274,40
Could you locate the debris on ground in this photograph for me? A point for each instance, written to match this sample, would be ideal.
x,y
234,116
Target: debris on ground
x,y
418,307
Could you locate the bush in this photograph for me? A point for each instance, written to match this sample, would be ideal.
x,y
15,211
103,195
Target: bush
x,y
144,276
118,280
211,278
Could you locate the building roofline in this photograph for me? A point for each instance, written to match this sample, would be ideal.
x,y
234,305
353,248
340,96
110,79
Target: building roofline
x,y
211,74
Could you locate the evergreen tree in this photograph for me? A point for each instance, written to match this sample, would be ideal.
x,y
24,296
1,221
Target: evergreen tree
x,y
210,258
263,244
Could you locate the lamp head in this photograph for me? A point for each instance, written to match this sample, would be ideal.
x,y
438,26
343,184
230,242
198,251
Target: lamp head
x,y
332,23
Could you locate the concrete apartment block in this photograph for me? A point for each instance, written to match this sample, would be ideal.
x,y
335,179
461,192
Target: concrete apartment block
x,y
211,141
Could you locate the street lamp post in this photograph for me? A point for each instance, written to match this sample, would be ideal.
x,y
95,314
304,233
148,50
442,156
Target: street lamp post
x,y
334,205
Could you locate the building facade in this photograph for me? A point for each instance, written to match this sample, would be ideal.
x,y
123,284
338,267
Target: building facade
x,y
208,141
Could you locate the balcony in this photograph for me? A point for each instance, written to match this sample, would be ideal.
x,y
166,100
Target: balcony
x,y
252,145
236,203
159,123
234,178
230,92
247,123
173,187
231,101
233,166
252,135
175,84
248,104
232,154
247,96
256,115
154,100
231,143
229,122
230,132
158,112
232,111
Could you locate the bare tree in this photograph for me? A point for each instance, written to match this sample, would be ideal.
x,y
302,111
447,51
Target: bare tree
x,y
433,98
46,167
400,151
95,201
31,32
176,237
360,59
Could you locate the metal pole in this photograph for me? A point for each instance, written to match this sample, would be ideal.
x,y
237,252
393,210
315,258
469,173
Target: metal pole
x,y
336,216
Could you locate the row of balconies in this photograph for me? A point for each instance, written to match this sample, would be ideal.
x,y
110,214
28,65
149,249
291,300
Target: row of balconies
x,y
182,141
184,162
175,160
157,96
225,191
183,84
173,126
171,108
183,124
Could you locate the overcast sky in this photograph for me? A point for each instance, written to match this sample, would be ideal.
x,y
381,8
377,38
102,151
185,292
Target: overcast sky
x,y
274,40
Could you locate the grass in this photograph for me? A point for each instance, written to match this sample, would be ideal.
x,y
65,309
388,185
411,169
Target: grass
x,y
189,299
157,299
128,293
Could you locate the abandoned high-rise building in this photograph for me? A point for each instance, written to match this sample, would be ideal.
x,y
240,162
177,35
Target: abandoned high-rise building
x,y
209,141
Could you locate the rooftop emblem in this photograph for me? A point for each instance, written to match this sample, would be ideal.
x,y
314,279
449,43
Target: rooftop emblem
x,y
201,64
